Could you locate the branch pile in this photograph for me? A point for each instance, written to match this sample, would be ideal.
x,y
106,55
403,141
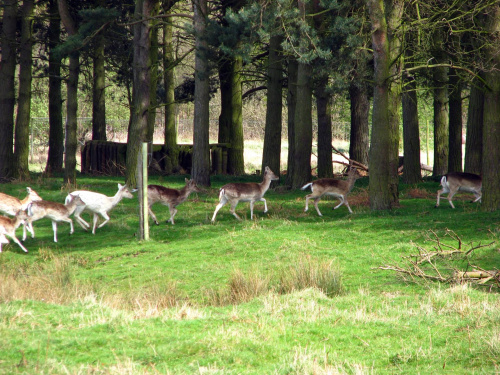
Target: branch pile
x,y
445,263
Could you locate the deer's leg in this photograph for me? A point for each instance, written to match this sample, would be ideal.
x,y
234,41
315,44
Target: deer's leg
x,y
172,211
478,197
54,229
309,196
444,190
152,215
221,204
316,200
233,207
451,193
14,238
347,204
106,219
80,221
265,204
342,201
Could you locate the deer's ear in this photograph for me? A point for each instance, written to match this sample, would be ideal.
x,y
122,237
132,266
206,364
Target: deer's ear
x,y
186,180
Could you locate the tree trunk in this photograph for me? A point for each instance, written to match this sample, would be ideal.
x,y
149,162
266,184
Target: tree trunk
x,y
169,83
411,137
7,93
56,134
324,110
153,63
140,90
201,146
271,156
235,161
71,99
455,123
21,151
491,130
440,92
380,198
99,90
303,127
360,107
291,105
474,139
226,112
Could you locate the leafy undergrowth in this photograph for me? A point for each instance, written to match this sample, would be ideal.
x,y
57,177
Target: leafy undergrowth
x,y
287,293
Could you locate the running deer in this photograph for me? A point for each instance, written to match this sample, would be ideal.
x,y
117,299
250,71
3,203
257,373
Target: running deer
x,y
11,205
245,192
98,204
454,182
329,186
169,197
54,211
9,225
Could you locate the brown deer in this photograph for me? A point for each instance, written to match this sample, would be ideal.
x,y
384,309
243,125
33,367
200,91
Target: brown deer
x,y
11,205
54,211
9,225
330,186
169,197
454,182
245,192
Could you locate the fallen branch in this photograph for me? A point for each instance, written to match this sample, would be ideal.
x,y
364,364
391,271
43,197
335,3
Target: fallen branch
x,y
351,162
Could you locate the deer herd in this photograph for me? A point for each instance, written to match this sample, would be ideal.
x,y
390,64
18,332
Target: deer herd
x,y
33,208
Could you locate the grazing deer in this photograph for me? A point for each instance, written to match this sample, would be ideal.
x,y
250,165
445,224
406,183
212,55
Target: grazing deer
x,y
454,182
245,192
9,225
169,197
54,211
98,204
329,186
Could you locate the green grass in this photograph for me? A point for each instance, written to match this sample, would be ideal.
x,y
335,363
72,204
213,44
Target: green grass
x,y
246,297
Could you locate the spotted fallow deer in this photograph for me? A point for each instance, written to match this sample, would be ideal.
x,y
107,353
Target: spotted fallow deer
x,y
245,192
54,211
330,186
9,225
454,182
11,205
169,197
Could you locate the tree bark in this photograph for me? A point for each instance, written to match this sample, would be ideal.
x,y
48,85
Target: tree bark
x,y
235,160
303,127
226,112
271,156
153,63
291,105
56,135
201,146
7,93
169,83
474,138
359,143
21,149
379,193
491,130
72,97
140,90
455,123
99,89
411,137
324,111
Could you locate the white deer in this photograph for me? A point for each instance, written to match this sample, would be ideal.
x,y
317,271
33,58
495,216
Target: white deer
x,y
245,192
9,225
454,182
11,205
54,211
330,186
169,197
98,204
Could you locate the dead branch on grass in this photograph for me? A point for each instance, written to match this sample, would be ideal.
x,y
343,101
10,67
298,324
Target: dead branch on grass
x,y
439,264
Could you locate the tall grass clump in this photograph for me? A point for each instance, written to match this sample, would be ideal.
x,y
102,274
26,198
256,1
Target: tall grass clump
x,y
308,272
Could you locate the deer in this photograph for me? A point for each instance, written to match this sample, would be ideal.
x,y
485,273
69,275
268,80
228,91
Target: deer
x,y
9,225
54,211
245,192
454,182
169,197
11,205
330,186
98,204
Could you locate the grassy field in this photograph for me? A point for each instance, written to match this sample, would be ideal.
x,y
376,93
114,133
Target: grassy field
x,y
287,293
